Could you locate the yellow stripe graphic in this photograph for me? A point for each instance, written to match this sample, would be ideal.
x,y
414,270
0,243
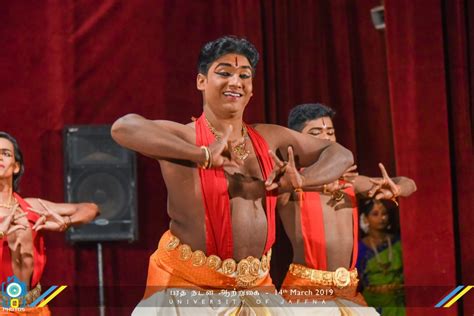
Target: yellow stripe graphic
x,y
55,293
454,299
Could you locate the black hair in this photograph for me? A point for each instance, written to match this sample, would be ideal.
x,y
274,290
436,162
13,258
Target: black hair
x,y
303,113
366,205
226,45
18,158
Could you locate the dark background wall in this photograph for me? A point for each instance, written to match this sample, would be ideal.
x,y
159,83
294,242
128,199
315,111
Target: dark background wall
x,y
403,98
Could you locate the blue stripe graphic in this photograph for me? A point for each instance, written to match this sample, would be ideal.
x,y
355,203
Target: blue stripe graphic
x,y
448,297
39,299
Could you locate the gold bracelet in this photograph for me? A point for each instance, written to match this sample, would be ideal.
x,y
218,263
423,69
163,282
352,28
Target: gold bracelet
x,y
207,161
2,234
209,165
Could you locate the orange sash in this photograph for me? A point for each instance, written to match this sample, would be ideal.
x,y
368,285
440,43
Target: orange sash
x,y
312,227
167,270
216,198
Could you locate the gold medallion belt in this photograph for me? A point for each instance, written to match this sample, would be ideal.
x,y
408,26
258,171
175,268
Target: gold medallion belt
x,y
246,272
340,278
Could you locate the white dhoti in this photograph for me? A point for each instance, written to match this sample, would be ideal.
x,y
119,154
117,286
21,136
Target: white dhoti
x,y
187,303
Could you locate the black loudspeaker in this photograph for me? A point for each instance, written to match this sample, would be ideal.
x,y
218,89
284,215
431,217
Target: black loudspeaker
x,y
97,169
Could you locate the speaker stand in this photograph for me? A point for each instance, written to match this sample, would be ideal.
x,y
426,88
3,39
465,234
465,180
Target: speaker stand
x,y
100,272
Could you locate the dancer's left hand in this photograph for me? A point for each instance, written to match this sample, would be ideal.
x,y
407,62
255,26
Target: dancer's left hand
x,y
384,188
284,175
49,220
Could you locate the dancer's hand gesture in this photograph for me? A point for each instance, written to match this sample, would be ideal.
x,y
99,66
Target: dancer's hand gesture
x,y
284,175
384,188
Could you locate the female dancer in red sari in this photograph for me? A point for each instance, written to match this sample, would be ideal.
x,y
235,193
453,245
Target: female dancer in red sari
x,y
22,252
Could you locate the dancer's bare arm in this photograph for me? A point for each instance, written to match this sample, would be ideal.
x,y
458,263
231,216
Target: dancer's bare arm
x,y
323,161
58,216
167,140
384,187
157,139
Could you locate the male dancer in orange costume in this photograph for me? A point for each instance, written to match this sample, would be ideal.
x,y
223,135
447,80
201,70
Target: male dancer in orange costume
x,y
221,183
323,226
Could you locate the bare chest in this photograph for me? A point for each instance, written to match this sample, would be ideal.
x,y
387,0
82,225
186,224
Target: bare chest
x,y
244,186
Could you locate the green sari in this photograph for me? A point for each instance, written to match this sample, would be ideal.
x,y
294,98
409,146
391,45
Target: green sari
x,y
381,277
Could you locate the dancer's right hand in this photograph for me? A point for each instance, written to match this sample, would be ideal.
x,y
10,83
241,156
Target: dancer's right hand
x,y
8,225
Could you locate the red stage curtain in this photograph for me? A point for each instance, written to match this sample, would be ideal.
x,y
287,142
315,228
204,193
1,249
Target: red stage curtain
x,y
89,62
428,70
329,51
459,48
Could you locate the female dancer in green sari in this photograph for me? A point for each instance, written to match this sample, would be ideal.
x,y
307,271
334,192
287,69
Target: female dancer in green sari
x,y
380,262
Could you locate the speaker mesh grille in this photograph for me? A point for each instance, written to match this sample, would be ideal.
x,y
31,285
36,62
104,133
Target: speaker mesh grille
x,y
99,170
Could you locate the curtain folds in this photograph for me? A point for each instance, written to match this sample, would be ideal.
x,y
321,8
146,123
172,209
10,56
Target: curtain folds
x,y
403,98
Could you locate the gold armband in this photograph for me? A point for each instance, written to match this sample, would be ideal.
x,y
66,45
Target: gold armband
x,y
208,161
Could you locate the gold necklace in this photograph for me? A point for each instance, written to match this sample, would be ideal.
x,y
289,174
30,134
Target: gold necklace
x,y
240,150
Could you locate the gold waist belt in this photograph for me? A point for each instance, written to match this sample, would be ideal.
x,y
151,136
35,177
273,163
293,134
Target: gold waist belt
x,y
247,271
30,297
340,278
384,288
